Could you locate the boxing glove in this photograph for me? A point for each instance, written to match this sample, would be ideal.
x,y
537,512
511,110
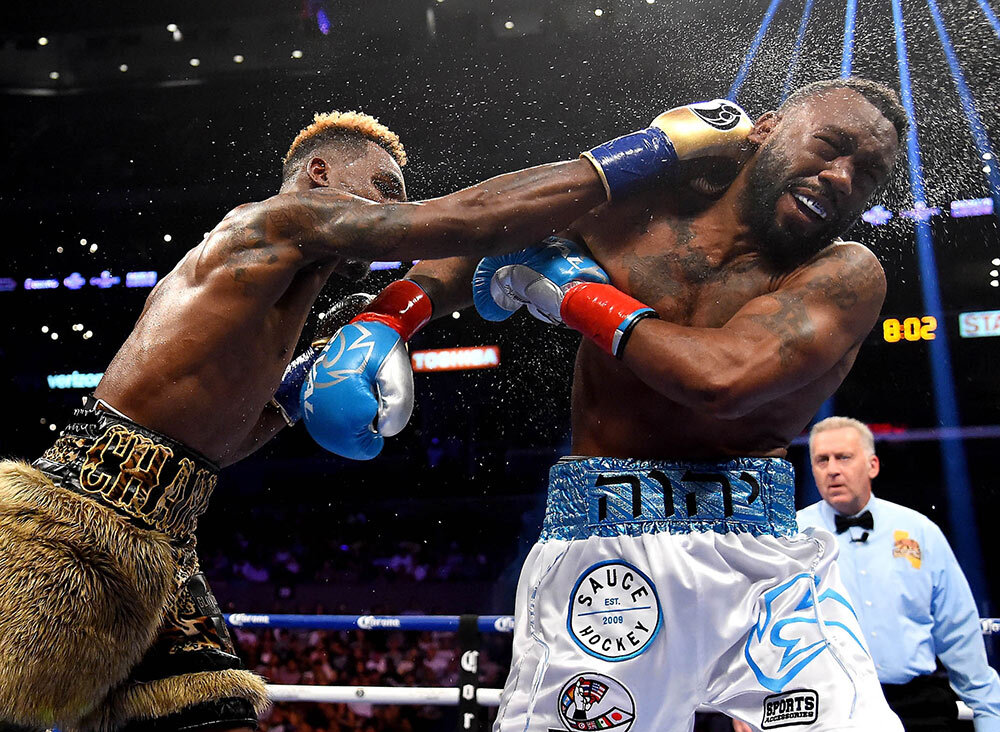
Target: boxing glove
x,y
559,283
360,389
537,277
709,130
287,397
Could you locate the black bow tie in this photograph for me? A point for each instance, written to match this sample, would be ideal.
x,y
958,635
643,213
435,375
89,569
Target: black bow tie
x,y
862,520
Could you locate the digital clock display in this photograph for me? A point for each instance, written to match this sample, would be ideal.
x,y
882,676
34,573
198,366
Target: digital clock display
x,y
909,329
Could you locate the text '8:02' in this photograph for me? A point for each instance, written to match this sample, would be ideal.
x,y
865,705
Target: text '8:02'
x,y
910,329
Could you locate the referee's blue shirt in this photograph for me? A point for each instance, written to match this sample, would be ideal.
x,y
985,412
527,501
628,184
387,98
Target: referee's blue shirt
x,y
913,603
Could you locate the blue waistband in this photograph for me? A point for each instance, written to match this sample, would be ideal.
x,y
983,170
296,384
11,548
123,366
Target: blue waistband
x,y
624,497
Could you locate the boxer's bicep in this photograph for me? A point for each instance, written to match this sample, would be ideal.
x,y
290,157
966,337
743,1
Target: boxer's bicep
x,y
499,215
322,225
795,335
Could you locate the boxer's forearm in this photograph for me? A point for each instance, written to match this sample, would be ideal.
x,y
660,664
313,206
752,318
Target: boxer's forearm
x,y
496,216
493,217
774,345
446,281
716,371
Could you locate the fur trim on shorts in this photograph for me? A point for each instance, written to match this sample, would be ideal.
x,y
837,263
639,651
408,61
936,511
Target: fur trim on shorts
x,y
154,699
82,594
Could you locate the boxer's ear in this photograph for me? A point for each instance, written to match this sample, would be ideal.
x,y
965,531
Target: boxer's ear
x,y
763,127
319,172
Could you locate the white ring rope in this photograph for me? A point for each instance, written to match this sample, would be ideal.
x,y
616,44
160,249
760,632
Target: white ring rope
x,y
434,696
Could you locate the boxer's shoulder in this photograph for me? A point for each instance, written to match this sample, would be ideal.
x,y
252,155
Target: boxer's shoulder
x,y
847,267
846,250
850,254
267,232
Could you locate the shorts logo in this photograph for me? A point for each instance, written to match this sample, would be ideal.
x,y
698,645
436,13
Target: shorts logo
x,y
614,612
721,115
793,707
595,702
786,637
139,477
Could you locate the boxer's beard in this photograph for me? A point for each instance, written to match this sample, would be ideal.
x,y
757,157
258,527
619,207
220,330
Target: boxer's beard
x,y
768,180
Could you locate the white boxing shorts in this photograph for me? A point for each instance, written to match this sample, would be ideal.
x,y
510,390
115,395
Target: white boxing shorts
x,y
659,588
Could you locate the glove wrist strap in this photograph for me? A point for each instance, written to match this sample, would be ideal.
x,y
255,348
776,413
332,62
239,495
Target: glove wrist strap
x,y
286,398
403,306
604,314
628,163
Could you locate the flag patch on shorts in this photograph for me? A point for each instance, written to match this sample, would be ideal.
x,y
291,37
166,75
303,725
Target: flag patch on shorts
x,y
591,702
793,707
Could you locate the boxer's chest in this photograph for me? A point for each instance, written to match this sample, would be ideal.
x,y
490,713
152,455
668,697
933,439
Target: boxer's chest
x,y
664,264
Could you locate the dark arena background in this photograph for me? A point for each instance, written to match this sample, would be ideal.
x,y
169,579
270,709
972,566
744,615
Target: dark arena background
x,y
130,129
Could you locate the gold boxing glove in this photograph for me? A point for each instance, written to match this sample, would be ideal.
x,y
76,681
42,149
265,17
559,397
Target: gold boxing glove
x,y
695,138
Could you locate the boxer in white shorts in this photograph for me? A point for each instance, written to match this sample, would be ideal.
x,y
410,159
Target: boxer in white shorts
x,y
719,310
715,327
658,588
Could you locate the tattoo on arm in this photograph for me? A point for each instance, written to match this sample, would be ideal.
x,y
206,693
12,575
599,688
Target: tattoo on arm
x,y
790,324
842,294
251,245
852,284
371,230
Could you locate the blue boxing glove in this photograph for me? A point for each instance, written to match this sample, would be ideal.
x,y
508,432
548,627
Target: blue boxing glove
x,y
287,397
360,389
537,277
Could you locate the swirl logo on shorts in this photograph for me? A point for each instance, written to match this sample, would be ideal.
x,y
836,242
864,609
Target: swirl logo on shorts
x,y
721,115
614,612
786,637
595,702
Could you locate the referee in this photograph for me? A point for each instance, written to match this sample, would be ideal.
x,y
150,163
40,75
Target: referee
x,y
912,600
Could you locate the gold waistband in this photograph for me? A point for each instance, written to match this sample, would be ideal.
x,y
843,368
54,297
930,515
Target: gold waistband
x,y
150,479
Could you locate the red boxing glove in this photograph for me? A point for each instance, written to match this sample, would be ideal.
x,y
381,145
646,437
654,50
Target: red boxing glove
x,y
604,314
403,306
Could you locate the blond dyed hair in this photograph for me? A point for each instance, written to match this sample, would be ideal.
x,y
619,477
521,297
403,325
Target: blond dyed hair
x,y
329,127
837,423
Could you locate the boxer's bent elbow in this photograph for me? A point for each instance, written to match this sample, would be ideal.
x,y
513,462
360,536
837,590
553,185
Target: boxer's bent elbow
x,y
722,394
728,406
720,402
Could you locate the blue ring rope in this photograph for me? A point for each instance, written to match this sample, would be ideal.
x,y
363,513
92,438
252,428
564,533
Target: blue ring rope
x,y
445,623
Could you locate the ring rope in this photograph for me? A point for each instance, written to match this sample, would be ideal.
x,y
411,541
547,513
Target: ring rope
x,y
421,696
433,696
428,695
444,623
